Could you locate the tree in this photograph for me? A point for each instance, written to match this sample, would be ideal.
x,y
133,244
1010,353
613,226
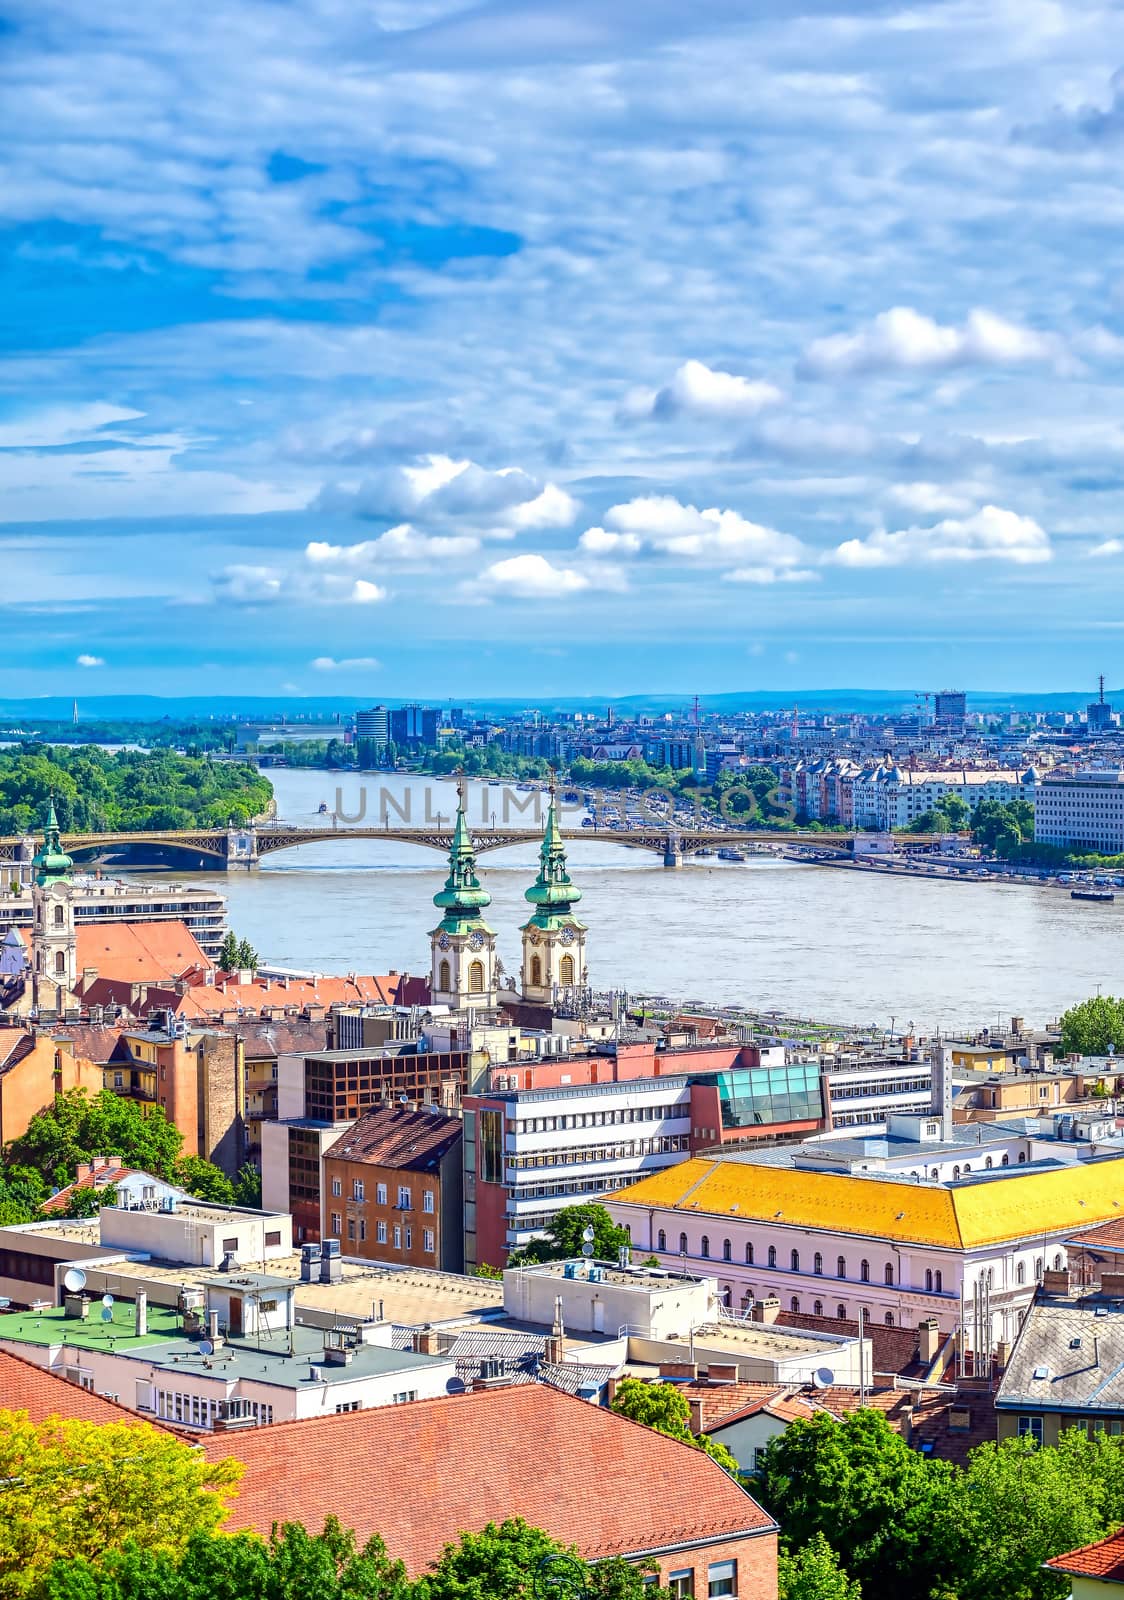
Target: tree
x,y
565,1235
247,1186
247,956
860,1485
228,952
665,1408
74,1489
204,1180
501,1562
77,1125
814,1573
1091,1027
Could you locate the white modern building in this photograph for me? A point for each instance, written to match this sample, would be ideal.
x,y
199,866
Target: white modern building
x,y
1082,810
893,797
197,1232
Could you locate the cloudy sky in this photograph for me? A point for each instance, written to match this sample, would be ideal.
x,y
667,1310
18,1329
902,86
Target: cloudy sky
x,y
539,347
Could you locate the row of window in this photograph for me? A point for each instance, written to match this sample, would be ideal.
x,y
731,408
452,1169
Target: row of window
x,y
578,1155
721,1580
198,1412
404,1202
600,1119
357,1232
562,1188
793,1260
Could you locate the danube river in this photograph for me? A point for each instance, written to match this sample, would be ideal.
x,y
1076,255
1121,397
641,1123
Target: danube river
x,y
807,940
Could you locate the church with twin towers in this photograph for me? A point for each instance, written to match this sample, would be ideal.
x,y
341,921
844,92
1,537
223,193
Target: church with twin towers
x,y
464,967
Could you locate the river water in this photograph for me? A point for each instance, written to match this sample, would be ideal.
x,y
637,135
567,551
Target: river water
x,y
808,940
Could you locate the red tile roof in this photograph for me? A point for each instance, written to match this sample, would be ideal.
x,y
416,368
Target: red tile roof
x,y
139,952
26,1387
391,1137
585,1475
1104,1560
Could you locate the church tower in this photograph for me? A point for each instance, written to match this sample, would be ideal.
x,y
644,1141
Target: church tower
x,y
54,944
553,939
463,947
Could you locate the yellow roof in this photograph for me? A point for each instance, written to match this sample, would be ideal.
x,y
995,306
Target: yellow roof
x,y
962,1216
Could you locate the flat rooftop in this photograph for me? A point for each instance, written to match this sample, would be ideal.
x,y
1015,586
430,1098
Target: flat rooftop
x,y
645,1279
266,1361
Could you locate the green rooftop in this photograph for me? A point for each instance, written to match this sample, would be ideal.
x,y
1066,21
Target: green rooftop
x,y
53,1326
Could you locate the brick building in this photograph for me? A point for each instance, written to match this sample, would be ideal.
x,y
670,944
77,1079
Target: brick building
x,y
392,1189
586,1476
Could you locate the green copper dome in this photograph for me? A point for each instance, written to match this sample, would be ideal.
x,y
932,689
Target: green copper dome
x,y
462,898
51,863
552,893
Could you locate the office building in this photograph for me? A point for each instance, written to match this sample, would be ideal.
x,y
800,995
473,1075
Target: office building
x,y
372,735
1081,810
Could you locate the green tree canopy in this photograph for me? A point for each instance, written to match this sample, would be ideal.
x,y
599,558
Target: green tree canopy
x,y
77,1125
204,1180
1092,1026
814,1573
665,1408
565,1235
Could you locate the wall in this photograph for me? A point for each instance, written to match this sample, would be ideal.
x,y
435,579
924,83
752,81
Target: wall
x,y
195,1236
646,1308
743,1439
363,1217
31,1084
756,1560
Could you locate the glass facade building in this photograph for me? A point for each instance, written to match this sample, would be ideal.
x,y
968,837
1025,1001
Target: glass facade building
x,y
749,1097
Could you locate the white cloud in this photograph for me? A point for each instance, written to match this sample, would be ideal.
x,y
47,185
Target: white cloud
x,y
664,526
400,545
991,534
602,542
553,508
904,340
771,575
1109,547
533,577
930,499
248,585
349,664
61,425
91,661
697,390
253,586
438,486
363,593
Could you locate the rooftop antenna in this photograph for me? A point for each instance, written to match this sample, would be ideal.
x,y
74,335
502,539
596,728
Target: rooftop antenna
x,y
696,708
1100,681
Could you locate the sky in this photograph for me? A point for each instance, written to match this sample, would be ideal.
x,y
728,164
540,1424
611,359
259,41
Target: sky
x,y
415,348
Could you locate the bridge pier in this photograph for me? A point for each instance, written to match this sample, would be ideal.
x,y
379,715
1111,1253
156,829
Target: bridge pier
x,y
673,852
242,850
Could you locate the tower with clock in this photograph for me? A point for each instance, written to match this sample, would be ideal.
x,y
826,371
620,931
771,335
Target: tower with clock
x,y
553,939
54,943
463,947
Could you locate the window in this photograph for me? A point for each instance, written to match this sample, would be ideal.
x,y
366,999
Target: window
x,y
929,1279
1020,1272
817,1308
380,1232
890,1273
348,1405
337,1224
988,1163
362,1230
60,916
230,1247
840,1266
794,1303
1031,1426
351,1228
427,1201
443,977
118,1080
661,1240
722,1579
409,1237
955,1173
841,1313
405,1200
938,1281
566,972
358,1189
1005,1160
864,1271
817,1264
337,1188
398,1238
405,1396
682,1244
681,1584
704,1247
1058,1262
794,1261
476,977
749,1255
727,1250
428,1242
889,1319
380,1193
60,963
772,1255
1038,1269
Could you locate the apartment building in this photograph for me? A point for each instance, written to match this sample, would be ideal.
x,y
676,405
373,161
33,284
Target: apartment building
x,y
1082,810
392,1189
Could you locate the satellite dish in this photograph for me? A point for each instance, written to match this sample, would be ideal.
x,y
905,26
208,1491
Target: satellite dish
x,y
455,1386
587,1249
206,1348
107,1313
588,1234
107,1301
74,1279
823,1378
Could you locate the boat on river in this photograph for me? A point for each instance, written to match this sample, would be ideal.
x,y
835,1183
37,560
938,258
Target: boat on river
x,y
1100,896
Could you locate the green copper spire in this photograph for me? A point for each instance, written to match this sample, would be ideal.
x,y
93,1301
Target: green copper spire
x,y
552,893
462,898
51,863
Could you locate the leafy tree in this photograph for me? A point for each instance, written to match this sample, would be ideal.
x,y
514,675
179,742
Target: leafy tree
x,y
502,1561
565,1235
76,1126
247,1186
22,1192
87,1201
247,956
860,1485
228,952
204,1180
486,1271
74,1489
665,1408
814,1573
1092,1026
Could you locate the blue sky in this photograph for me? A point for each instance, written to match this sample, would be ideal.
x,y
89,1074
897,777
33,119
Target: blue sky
x,y
418,348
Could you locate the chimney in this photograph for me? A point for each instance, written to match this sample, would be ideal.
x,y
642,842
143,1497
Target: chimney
x,y
767,1310
556,1342
929,1340
942,1089
695,1421
1112,1285
1056,1281
140,1310
425,1341
213,1327
1002,1353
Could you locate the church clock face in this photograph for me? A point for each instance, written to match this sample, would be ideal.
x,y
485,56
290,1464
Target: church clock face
x,y
443,942
476,941
567,936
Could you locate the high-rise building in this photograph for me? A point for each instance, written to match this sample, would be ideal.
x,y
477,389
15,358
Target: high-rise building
x,y
372,734
1098,713
950,710
414,727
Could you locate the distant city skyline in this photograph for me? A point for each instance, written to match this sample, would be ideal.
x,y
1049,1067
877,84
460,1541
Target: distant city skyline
x,y
555,350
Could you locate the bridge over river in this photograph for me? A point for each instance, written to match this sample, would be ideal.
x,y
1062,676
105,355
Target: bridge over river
x,y
243,849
